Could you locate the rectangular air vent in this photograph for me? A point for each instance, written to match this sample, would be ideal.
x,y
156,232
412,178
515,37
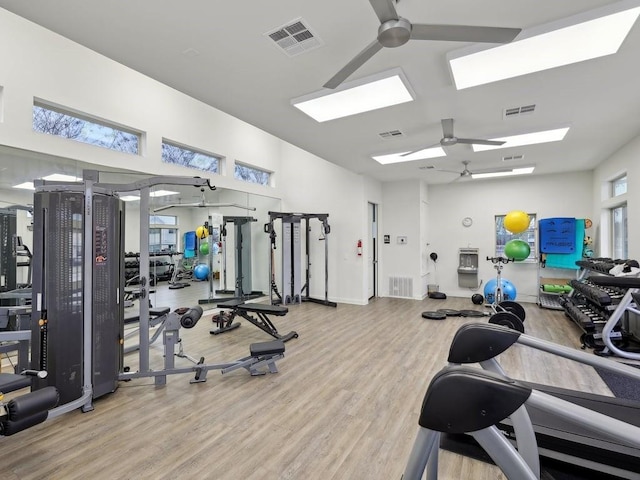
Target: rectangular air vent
x,y
517,111
401,287
391,134
294,38
510,158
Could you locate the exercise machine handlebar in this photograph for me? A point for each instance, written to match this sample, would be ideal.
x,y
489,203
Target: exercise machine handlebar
x,y
498,260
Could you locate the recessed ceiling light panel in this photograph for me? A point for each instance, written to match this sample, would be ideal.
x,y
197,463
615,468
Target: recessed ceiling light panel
x,y
420,155
525,139
586,36
364,95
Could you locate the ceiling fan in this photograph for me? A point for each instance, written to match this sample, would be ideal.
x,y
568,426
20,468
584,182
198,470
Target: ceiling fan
x,y
449,139
395,31
465,174
203,204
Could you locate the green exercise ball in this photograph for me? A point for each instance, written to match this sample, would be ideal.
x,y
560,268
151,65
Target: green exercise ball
x,y
517,249
204,248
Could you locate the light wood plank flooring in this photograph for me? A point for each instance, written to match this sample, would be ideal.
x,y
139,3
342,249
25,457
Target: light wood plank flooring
x,y
343,406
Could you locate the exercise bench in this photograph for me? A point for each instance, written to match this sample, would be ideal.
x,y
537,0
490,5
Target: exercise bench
x,y
261,319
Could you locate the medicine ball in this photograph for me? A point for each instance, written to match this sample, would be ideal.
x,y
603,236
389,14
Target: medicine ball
x,y
477,299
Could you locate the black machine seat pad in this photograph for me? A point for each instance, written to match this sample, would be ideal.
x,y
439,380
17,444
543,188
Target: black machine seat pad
x,y
10,382
265,308
273,347
153,313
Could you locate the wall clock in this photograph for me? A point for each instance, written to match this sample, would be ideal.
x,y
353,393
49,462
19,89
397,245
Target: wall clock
x,y
467,221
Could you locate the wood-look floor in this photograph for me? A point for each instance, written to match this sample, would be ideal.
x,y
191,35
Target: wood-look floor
x,y
343,406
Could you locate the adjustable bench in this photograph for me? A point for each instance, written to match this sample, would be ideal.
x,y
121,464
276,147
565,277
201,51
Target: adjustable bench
x,y
260,320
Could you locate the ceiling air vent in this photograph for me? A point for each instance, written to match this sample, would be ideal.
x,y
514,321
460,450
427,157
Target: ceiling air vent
x,y
517,111
391,134
294,38
510,158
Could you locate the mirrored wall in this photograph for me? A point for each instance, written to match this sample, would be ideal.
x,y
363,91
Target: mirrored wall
x,y
175,215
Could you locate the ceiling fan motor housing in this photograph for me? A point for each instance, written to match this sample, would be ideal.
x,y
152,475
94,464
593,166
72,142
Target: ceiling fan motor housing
x,y
394,33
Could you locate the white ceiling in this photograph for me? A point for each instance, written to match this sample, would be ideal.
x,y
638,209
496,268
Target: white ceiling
x,y
237,69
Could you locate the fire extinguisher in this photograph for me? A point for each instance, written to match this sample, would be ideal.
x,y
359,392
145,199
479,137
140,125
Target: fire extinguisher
x,y
359,248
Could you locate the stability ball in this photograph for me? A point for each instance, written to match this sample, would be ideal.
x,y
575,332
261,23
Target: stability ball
x,y
204,248
201,272
202,232
508,290
517,249
516,221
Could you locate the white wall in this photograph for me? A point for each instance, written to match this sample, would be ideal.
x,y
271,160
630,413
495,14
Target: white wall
x,y
625,160
567,195
38,63
402,212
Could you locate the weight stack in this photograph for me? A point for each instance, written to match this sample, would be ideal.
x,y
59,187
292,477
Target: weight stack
x,y
58,291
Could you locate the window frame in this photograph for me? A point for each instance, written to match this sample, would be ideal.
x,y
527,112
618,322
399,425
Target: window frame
x,y
530,235
240,165
87,120
191,150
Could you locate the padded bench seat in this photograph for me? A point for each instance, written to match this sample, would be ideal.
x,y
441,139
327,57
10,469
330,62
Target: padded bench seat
x,y
273,347
11,381
153,313
244,310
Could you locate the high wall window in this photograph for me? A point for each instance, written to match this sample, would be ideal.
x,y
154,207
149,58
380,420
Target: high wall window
x,y
55,121
529,236
619,231
163,220
251,174
187,157
619,186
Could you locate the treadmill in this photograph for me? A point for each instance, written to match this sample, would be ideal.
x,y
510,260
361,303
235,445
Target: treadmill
x,y
561,441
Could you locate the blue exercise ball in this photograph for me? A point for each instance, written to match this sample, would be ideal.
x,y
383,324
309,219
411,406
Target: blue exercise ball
x,y
509,291
201,272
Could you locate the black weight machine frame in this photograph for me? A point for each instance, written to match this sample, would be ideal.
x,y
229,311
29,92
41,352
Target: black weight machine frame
x,y
241,259
293,238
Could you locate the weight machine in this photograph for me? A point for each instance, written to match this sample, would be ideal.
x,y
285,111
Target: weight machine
x,y
242,259
292,250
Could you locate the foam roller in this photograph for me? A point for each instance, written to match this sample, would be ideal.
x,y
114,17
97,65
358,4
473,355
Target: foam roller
x,y
191,317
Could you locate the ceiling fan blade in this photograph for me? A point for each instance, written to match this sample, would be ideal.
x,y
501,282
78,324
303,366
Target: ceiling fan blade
x,y
419,150
359,60
447,127
384,10
477,141
463,33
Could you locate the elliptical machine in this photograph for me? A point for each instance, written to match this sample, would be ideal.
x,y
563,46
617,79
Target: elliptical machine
x,y
505,312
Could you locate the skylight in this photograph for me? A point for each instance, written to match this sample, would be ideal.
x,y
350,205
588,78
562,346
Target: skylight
x,y
504,173
525,139
585,36
403,157
364,95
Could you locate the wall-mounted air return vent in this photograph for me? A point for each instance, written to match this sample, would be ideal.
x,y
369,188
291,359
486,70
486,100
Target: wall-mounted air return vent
x,y
401,287
294,38
391,134
510,158
427,167
517,111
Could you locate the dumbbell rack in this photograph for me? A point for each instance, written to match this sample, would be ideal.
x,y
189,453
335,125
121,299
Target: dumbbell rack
x,y
590,305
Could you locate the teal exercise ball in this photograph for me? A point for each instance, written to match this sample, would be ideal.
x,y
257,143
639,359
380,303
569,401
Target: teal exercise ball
x,y
201,272
517,249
